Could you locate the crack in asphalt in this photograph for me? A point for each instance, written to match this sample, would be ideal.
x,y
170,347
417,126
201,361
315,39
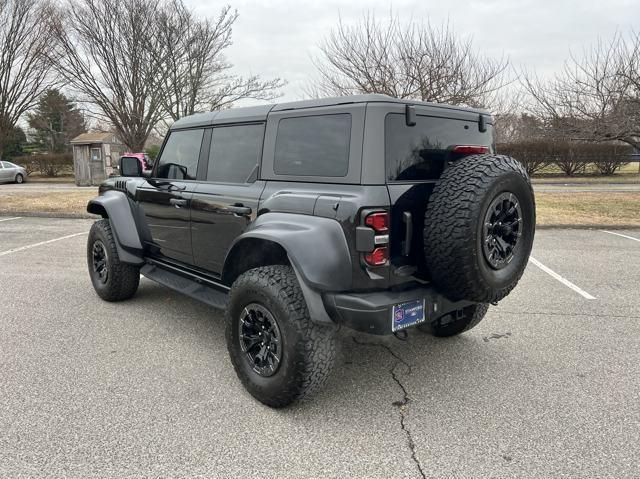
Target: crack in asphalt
x,y
495,336
402,404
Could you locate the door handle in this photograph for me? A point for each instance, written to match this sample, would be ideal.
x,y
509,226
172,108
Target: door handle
x,y
177,202
239,209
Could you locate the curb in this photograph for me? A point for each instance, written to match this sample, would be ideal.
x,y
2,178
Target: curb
x,y
574,184
588,227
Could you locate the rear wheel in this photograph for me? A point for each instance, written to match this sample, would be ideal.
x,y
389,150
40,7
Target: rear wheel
x,y
19,178
455,322
278,352
479,228
112,279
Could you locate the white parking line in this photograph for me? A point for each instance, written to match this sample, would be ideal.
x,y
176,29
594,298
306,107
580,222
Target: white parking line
x,y
564,281
9,219
624,236
22,248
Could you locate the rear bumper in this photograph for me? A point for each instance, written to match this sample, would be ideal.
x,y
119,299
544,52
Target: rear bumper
x,y
372,312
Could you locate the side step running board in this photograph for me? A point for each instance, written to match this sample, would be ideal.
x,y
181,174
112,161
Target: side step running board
x,y
194,287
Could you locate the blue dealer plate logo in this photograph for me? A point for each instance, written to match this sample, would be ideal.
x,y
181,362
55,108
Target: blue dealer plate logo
x,y
407,314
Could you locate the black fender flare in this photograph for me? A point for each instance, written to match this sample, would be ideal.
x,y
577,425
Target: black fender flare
x,y
317,249
114,205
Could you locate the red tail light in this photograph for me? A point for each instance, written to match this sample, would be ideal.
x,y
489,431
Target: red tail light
x,y
378,221
471,149
378,257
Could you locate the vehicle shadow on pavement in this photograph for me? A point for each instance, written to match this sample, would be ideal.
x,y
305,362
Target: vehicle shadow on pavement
x,y
365,363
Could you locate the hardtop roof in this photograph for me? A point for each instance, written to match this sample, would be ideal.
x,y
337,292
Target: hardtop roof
x,y
260,112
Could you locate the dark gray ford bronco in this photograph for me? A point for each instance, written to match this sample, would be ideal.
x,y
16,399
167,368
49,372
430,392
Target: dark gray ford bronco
x,y
366,212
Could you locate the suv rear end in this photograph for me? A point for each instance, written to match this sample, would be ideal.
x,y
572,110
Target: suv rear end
x,y
408,147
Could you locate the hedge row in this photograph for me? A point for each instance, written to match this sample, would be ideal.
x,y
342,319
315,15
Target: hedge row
x,y
47,165
570,158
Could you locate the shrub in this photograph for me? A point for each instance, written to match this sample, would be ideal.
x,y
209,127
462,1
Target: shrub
x,y
570,157
153,151
534,155
48,165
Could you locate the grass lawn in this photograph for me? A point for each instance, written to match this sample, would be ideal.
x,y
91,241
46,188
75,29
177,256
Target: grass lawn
x,y
627,178
51,202
34,178
570,208
588,208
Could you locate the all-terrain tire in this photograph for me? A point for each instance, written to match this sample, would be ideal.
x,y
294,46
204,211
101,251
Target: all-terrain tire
x,y
308,348
121,279
454,222
455,323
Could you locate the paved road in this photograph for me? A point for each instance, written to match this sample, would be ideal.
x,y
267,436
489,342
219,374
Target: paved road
x,y
547,386
29,188
586,187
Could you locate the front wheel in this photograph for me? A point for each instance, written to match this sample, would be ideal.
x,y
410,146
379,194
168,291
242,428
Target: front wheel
x,y
19,178
112,279
277,351
455,322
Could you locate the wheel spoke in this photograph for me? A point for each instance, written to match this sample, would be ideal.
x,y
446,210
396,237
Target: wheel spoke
x,y
260,339
502,229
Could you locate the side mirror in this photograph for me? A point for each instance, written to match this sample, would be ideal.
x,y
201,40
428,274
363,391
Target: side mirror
x,y
130,166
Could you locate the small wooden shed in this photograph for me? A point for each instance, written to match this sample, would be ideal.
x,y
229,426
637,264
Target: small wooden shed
x,y
95,155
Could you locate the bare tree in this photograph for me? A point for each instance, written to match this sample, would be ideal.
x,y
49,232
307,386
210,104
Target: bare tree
x,y
406,60
106,52
595,97
195,71
25,44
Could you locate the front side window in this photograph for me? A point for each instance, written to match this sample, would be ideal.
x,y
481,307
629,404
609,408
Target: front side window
x,y
313,145
179,159
420,152
235,153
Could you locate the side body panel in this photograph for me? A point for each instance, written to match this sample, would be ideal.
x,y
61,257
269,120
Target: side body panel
x,y
167,216
218,218
339,203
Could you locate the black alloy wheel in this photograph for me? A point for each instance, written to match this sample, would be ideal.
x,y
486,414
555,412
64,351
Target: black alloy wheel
x,y
260,339
112,279
502,230
100,261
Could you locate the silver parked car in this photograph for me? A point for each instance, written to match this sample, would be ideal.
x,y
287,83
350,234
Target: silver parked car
x,y
12,173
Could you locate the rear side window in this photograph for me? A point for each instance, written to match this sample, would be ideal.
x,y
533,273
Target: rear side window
x,y
179,159
420,152
313,145
235,153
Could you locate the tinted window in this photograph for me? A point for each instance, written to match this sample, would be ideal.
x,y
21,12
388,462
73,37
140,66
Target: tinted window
x,y
235,152
179,160
420,152
313,145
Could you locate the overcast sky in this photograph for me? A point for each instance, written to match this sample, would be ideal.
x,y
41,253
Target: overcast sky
x,y
278,37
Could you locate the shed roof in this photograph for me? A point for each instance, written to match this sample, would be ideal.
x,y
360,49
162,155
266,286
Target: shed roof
x,y
94,138
260,112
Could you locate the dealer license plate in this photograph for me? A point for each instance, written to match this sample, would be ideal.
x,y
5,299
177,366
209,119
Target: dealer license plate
x,y
407,314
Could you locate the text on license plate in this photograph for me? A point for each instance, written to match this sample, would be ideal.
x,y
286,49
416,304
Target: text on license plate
x,y
407,314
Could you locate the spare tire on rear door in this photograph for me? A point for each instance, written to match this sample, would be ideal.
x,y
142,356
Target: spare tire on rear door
x,y
479,228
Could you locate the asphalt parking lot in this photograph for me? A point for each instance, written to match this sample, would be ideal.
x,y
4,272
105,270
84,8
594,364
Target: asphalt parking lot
x,y
548,385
